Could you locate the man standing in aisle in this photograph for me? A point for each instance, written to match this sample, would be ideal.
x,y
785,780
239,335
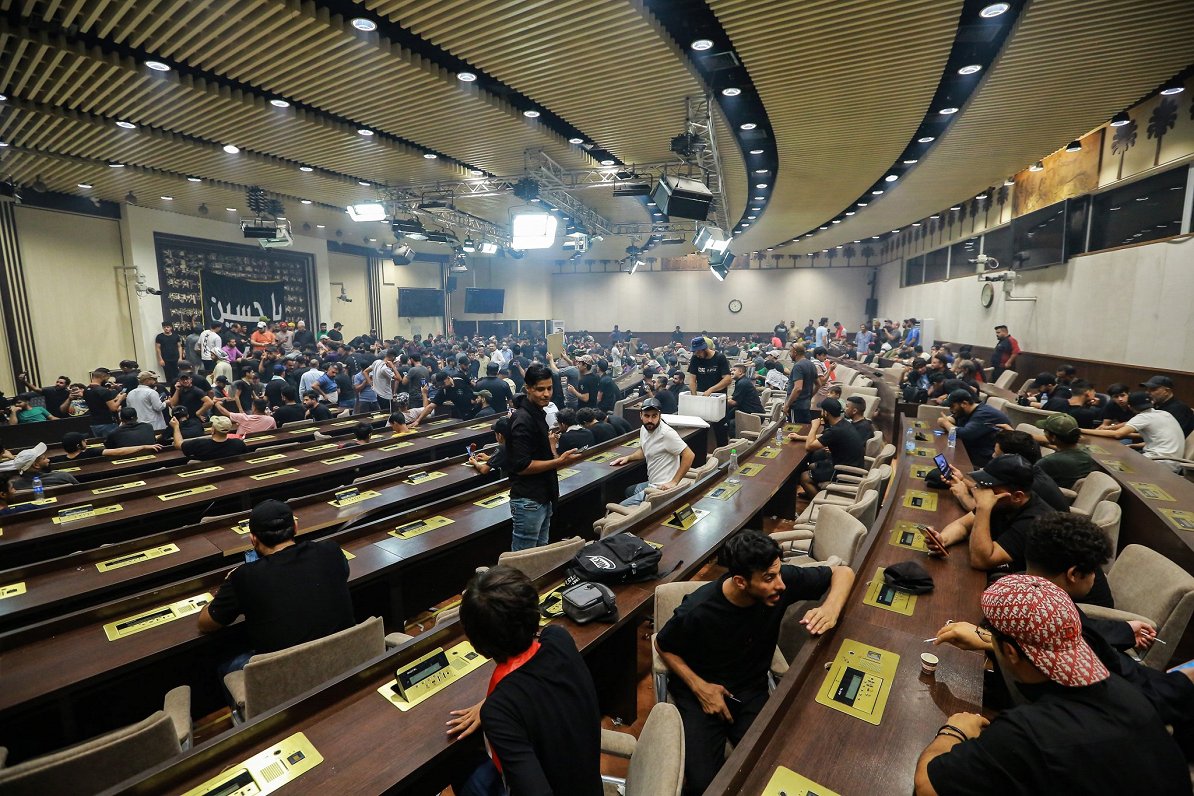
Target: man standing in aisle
x,y
1006,351
383,374
802,385
709,373
534,484
209,344
168,346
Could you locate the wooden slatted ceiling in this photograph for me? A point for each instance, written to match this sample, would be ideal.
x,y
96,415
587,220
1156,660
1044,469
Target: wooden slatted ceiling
x,y
1062,74
845,86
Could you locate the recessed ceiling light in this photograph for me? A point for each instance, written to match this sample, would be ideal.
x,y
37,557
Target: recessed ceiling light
x,y
126,125
948,111
373,240
971,69
430,156
476,173
982,197
895,232
935,216
748,126
877,192
863,204
760,199
837,221
306,168
116,165
230,209
1120,119
607,162
650,204
367,25
576,140
305,201
194,179
891,178
279,103
910,161
756,151
874,237
168,198
756,209
746,223
850,212
466,77
994,10
752,218
731,92
700,45
1171,88
532,114
916,223
84,185
761,171
231,149
824,227
1074,146
760,185
956,207
158,66
925,139
365,132
321,226
366,183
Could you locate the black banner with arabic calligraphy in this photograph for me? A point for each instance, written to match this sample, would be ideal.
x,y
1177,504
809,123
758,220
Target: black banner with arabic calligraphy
x,y
186,265
227,299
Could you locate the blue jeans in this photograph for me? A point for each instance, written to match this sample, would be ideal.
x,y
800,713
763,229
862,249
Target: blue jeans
x,y
636,494
485,781
802,410
532,523
366,407
103,429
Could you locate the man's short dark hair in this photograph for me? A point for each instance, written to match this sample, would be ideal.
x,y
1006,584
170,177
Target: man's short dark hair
x,y
1079,386
311,394
260,405
272,522
1020,443
749,552
290,393
1060,540
1067,369
536,373
586,416
500,612
398,417
820,351
502,426
362,430
1118,389
566,417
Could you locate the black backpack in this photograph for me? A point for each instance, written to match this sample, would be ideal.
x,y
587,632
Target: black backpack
x,y
618,558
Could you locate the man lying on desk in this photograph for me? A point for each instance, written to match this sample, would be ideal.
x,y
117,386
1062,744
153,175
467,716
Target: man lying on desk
x,y
541,718
720,642
1084,730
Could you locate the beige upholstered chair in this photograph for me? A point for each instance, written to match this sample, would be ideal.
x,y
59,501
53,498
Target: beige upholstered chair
x,y
856,389
656,758
1006,379
842,493
538,561
837,537
1024,414
104,761
1147,585
872,406
747,425
722,454
995,402
799,540
1107,516
270,679
1096,488
620,518
930,412
874,445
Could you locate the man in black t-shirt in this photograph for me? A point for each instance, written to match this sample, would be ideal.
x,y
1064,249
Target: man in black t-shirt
x,y
335,334
290,411
608,392
601,431
709,373
103,403
585,390
719,644
1160,390
218,446
855,408
168,346
54,396
130,432
620,425
802,385
833,433
1117,410
744,397
500,395
314,409
657,389
189,396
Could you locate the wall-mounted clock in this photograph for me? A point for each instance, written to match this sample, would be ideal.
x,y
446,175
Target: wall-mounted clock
x,y
988,294
735,305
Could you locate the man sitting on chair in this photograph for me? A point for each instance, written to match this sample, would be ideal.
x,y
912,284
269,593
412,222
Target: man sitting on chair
x,y
668,457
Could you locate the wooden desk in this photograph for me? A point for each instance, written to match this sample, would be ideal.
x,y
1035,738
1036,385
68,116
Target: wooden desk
x,y
846,754
341,715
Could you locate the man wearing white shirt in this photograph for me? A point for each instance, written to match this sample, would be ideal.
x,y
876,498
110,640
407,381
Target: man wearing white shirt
x,y
145,399
1163,438
383,372
209,343
668,457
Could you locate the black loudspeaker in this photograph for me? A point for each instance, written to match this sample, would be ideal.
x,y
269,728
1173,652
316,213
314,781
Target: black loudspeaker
x,y
451,284
680,197
872,307
402,255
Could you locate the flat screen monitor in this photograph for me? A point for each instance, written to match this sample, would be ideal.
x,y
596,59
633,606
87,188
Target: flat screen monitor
x,y
484,301
414,302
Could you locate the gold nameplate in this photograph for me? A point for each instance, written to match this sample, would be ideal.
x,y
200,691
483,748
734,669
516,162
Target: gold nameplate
x,y
684,517
792,428
425,676
442,435
724,491
136,558
920,424
566,472
274,474
260,437
145,458
768,453
859,681
751,469
352,422
241,527
413,529
1181,518
265,771
423,475
67,469
72,516
104,490
889,598
155,616
927,453
307,430
476,426
46,501
909,535
634,443
348,457
325,447
1117,465
395,446
12,590
357,498
925,501
1152,491
493,501
195,490
189,473
920,470
786,782
603,457
347,554
271,458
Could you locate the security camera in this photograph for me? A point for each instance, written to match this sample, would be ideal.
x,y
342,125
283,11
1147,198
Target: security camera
x,y
344,298
987,262
153,291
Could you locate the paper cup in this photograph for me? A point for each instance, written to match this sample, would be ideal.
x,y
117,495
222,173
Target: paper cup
x,y
928,662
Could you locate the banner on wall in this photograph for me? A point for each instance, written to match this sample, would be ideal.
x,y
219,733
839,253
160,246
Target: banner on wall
x,y
230,299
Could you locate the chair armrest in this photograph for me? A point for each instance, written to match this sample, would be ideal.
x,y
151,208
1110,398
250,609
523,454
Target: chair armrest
x,y
847,480
177,706
779,664
1099,612
618,744
616,508
848,470
657,664
796,534
1068,494
837,495
396,640
3,756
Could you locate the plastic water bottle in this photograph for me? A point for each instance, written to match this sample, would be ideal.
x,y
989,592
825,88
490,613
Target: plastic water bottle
x,y
733,477
38,491
779,436
909,440
953,437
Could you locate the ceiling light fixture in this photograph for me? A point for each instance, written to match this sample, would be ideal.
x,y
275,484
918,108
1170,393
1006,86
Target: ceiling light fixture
x,y
1120,119
824,227
576,140
305,201
84,185
756,151
1171,88
910,161
877,192
158,66
837,221
891,178
365,132
1074,146
760,185
365,183
279,103
230,209
3,98
850,212
126,125
231,149
430,156
956,208
761,171
747,126
533,230
950,111
531,114
925,139
306,168
1038,166
368,211
700,45
731,92
194,179
760,199
994,10
116,165
466,77
362,24
607,162
970,69
863,204
168,198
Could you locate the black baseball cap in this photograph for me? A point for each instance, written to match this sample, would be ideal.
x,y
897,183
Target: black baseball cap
x,y
270,515
492,367
1157,381
1138,400
1009,470
73,441
651,403
832,406
961,396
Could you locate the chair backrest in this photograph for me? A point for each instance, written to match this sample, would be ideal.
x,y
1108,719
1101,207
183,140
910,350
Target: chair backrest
x,y
1096,487
722,454
1147,583
777,411
857,389
1029,428
746,423
668,597
613,523
696,473
274,677
886,455
866,508
872,406
536,562
884,471
930,412
657,765
995,402
845,375
1107,516
100,762
838,535
765,395
870,481
873,445
1024,414
1006,379
1189,452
